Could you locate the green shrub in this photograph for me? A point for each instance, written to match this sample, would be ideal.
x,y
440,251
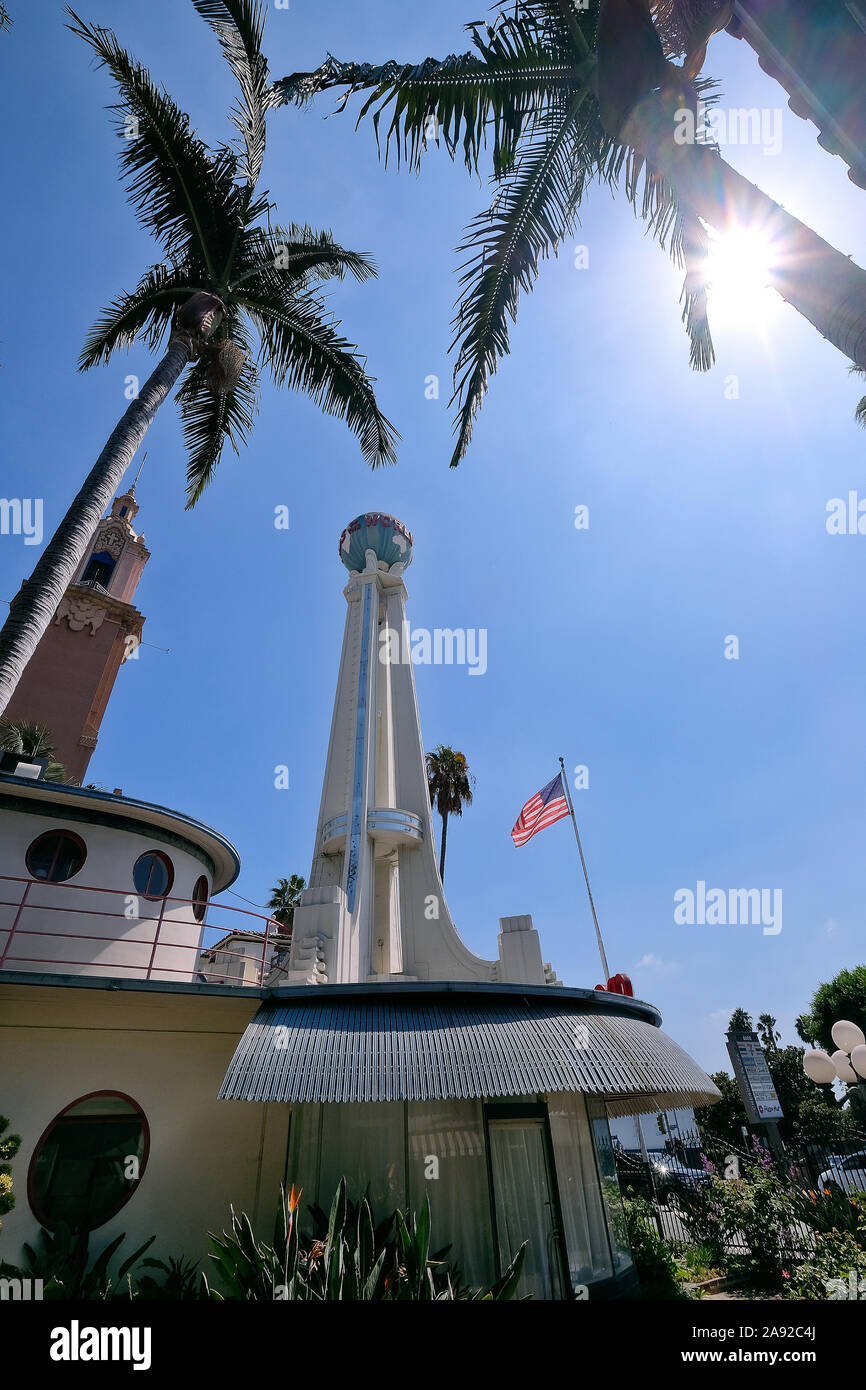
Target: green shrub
x,y
699,1262
704,1213
654,1261
180,1282
762,1209
836,1270
61,1261
350,1261
8,1149
832,1211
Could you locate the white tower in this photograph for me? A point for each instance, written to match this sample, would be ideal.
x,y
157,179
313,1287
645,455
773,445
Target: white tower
x,y
375,909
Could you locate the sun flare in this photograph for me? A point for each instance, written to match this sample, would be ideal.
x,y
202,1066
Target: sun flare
x,y
738,273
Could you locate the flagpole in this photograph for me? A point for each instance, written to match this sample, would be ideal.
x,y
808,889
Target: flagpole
x,y
585,874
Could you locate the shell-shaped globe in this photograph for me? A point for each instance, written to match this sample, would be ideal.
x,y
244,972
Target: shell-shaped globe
x,y
387,537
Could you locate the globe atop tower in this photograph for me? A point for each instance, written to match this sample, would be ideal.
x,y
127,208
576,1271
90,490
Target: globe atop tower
x,y
390,541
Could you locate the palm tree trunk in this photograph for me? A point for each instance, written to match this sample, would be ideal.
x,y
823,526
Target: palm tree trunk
x,y
442,846
826,287
36,602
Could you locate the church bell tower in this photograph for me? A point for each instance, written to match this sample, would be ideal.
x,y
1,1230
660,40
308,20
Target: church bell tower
x,y
68,681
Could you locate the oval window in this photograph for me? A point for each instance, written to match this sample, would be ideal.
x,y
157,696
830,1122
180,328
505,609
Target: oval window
x,y
55,856
88,1162
153,874
199,898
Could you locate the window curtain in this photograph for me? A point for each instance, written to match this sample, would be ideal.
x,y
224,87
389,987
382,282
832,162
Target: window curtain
x,y
580,1197
302,1167
448,1162
365,1144
524,1203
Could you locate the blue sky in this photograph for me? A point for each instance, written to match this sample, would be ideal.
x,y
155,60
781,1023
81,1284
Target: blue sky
x,y
707,518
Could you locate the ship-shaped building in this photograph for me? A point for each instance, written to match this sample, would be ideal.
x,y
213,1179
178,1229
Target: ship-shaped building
x,y
371,1043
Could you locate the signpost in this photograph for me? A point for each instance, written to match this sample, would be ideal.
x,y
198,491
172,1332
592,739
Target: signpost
x,y
755,1083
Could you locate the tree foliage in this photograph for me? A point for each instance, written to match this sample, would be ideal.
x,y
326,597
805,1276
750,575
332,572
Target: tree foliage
x,y
9,1146
219,235
740,1022
30,739
449,783
284,898
545,90
807,1110
843,997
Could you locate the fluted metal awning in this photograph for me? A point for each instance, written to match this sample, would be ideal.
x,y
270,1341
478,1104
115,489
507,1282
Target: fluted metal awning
x,y
339,1044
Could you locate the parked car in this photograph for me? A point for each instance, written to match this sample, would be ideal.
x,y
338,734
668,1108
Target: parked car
x,y
673,1177
845,1174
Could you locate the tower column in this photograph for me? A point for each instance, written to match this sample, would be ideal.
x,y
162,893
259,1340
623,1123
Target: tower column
x,y
354,945
375,908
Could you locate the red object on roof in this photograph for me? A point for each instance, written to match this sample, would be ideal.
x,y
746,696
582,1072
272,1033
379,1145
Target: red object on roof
x,y
618,984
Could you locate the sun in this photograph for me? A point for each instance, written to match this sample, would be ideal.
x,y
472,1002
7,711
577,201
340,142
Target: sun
x,y
738,275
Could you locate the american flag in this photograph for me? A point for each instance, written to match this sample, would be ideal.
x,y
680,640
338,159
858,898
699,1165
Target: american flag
x,y
541,810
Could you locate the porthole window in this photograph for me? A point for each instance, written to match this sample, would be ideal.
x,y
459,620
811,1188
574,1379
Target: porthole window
x,y
199,898
153,874
88,1162
55,856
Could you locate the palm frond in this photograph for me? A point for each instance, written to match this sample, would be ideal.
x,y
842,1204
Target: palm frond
x,y
686,27
183,194
673,226
690,238
534,209
468,99
302,348
145,313
296,254
210,419
239,26
530,87
567,26
245,18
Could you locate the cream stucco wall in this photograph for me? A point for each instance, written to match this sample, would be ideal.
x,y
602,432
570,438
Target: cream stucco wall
x,y
169,1051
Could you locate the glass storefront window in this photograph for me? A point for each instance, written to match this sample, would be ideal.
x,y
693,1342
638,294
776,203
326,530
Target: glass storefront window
x,y
366,1145
448,1162
583,1213
394,1153
610,1183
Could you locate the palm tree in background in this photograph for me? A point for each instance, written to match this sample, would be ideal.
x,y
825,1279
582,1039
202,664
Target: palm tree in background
x,y
5,18
284,898
30,739
230,271
449,783
561,95
740,1022
766,1030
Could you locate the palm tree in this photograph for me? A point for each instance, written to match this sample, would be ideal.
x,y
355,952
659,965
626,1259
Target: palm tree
x,y
30,739
5,18
284,898
767,1032
740,1022
449,783
229,268
563,94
